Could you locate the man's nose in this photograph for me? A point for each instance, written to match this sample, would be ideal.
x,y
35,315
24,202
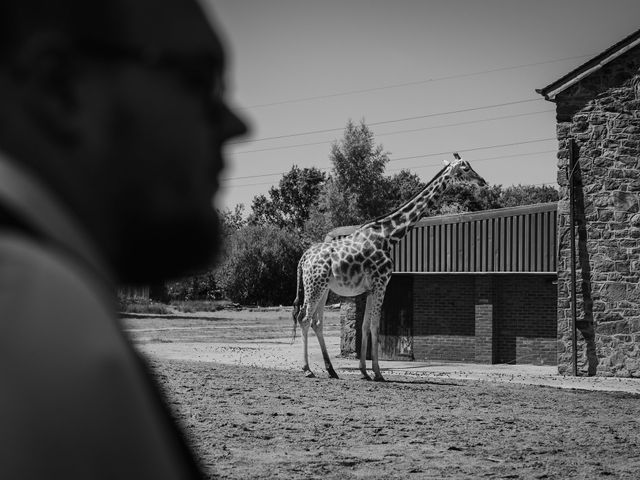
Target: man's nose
x,y
233,125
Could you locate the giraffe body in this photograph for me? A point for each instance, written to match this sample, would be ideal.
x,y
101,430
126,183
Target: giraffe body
x,y
361,263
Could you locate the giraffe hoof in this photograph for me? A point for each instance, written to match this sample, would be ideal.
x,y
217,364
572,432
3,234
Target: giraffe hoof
x,y
333,374
379,378
365,376
309,374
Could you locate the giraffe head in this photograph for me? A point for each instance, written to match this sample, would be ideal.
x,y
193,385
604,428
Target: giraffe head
x,y
461,172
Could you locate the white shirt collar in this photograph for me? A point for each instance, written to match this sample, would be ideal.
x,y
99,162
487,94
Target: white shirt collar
x,y
33,202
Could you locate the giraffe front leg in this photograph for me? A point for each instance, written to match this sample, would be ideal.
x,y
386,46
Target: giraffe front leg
x,y
377,376
364,344
376,310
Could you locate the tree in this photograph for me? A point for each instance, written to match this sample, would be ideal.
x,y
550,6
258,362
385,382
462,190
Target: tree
x,y
260,266
468,198
231,220
401,188
202,285
358,182
339,205
516,195
317,227
289,204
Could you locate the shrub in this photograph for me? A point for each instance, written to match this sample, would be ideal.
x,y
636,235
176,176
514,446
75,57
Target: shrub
x,y
193,306
260,266
196,287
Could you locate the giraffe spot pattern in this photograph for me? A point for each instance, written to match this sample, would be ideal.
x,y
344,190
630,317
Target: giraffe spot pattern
x,y
344,268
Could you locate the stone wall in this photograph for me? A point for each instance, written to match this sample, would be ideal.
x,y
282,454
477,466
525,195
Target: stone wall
x,y
602,114
351,314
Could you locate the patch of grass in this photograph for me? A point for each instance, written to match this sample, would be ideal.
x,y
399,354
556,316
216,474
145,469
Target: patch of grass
x,y
140,305
155,340
192,306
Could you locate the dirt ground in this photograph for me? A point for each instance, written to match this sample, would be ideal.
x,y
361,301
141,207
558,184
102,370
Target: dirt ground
x,y
246,421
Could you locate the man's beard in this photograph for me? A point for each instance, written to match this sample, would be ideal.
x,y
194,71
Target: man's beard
x,y
153,253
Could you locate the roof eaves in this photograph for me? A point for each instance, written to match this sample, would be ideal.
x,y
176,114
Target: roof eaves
x,y
551,91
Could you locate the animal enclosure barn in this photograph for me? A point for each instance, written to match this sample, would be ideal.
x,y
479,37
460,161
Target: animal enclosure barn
x,y
475,287
598,128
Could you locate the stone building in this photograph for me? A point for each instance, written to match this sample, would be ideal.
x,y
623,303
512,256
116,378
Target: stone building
x,y
598,130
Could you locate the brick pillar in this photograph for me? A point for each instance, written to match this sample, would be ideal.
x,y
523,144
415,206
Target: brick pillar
x,y
484,318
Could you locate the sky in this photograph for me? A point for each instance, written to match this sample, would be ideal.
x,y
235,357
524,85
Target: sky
x,y
428,77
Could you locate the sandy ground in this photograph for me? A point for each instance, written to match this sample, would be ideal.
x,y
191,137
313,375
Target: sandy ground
x,y
234,381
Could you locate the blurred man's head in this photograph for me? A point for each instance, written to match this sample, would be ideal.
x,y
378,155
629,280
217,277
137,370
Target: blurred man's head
x,y
118,106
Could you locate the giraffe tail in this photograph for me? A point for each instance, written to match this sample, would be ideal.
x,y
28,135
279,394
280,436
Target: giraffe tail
x,y
294,314
297,302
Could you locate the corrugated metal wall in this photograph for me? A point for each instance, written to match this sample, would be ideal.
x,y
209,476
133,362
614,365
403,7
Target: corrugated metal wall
x,y
520,239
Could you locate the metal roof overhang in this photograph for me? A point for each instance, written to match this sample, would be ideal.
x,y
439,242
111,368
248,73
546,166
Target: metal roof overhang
x,y
507,240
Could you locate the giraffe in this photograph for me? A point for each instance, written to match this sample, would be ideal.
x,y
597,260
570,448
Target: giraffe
x,y
361,262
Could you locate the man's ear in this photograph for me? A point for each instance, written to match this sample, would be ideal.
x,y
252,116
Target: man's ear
x,y
46,69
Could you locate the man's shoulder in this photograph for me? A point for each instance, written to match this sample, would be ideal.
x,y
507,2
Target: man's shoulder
x,y
34,272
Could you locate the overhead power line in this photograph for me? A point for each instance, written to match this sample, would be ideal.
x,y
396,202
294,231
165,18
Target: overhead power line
x,y
413,83
386,122
474,149
414,167
426,155
476,160
432,127
271,183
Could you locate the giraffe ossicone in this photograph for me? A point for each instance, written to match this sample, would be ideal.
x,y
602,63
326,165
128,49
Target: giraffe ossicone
x,y
361,263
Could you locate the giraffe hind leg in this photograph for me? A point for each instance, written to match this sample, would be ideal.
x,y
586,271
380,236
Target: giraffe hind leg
x,y
317,325
303,321
364,344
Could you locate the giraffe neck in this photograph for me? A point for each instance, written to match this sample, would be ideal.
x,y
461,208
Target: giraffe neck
x,y
395,225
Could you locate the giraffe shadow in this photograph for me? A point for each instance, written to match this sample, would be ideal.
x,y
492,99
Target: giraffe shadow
x,y
349,370
409,382
423,382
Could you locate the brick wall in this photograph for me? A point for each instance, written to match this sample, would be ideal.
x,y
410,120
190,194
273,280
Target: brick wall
x,y
455,348
443,305
602,114
466,318
525,319
485,318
